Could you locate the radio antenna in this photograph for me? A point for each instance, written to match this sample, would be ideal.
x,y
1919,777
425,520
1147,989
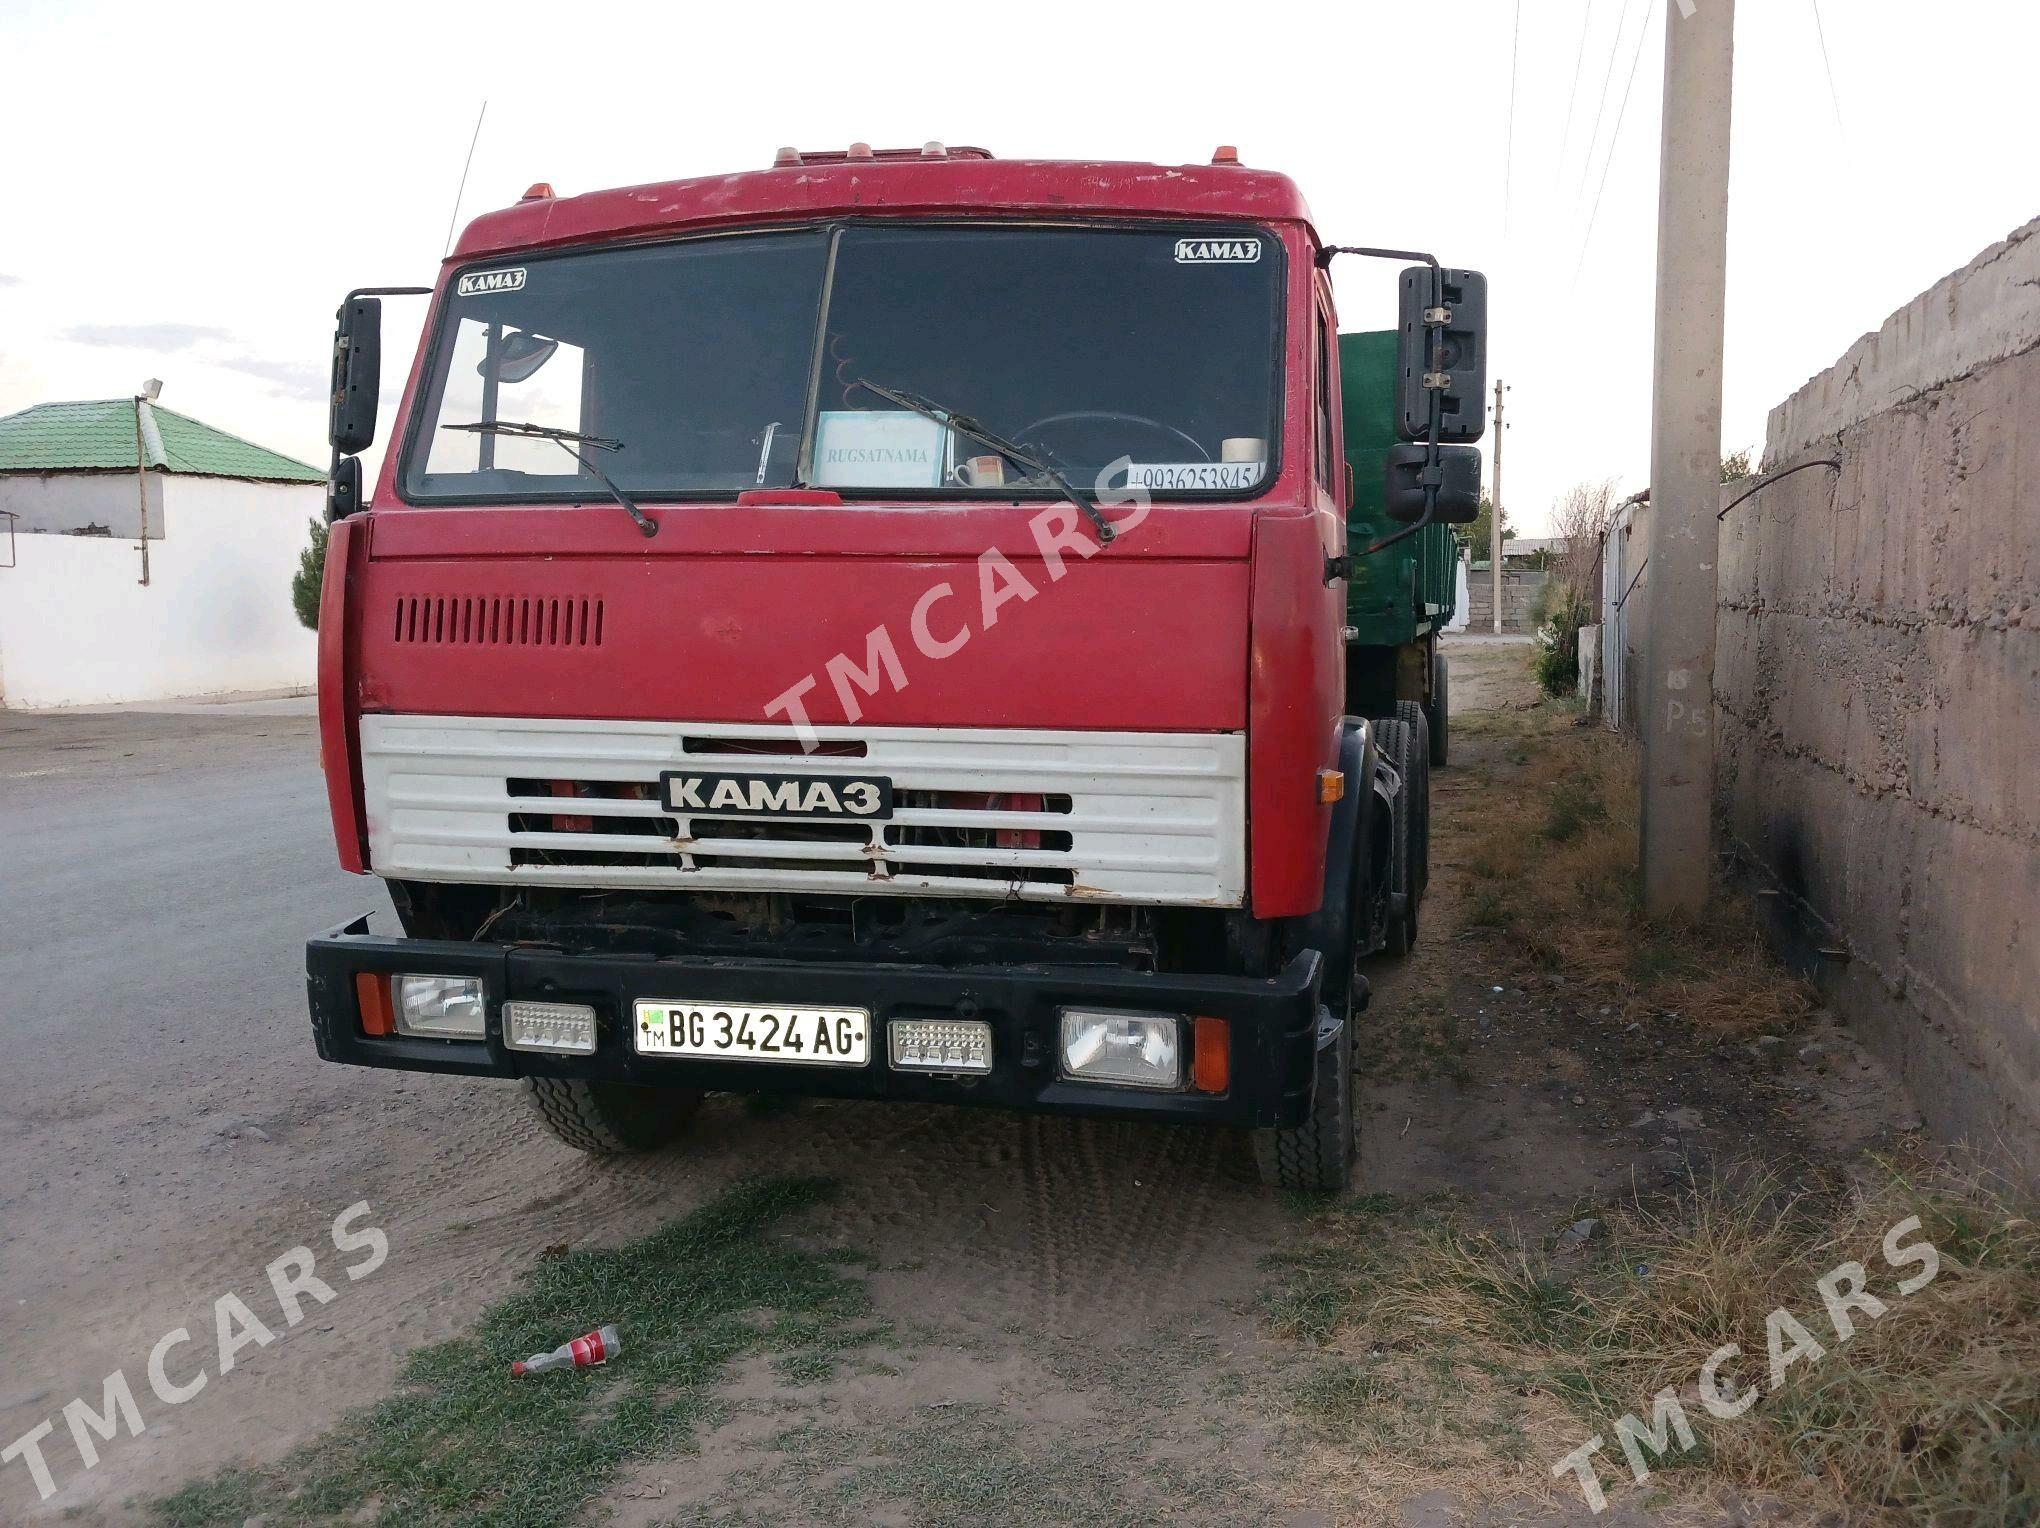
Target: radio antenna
x,y
454,217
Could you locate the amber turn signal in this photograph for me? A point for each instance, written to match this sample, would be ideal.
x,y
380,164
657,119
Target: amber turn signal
x,y
372,993
1211,1057
1331,785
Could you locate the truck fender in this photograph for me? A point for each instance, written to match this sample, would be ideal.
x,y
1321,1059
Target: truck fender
x,y
1330,930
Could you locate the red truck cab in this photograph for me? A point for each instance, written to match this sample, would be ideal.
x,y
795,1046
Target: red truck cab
x,y
866,627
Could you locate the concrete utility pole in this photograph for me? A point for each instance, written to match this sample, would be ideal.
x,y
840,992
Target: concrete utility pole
x,y
1495,520
1676,714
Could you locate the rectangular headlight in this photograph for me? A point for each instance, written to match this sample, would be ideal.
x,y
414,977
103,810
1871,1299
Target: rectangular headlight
x,y
560,1029
940,1045
1134,1050
441,1007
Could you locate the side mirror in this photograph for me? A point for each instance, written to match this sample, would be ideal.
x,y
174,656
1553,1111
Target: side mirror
x,y
1462,321
357,375
1458,493
343,488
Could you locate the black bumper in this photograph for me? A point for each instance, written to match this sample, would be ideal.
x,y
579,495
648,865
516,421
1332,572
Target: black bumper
x,y
1274,1024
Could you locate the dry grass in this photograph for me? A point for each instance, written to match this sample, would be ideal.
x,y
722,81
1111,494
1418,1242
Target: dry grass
x,y
1492,1358
1551,879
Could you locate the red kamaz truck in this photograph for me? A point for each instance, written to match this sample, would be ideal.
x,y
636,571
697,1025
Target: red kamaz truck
x,y
874,627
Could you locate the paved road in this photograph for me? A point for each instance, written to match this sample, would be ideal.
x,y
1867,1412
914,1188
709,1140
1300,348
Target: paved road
x,y
158,876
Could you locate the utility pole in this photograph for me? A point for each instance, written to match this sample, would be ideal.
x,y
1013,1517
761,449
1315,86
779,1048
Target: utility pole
x,y
1495,520
1676,713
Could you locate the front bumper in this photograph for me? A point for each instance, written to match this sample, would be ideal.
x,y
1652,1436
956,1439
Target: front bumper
x,y
1276,1026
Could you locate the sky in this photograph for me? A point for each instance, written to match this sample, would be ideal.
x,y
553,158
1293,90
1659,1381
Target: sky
x,y
191,188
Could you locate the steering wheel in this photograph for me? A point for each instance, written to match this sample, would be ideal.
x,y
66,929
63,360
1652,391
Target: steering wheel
x,y
1112,416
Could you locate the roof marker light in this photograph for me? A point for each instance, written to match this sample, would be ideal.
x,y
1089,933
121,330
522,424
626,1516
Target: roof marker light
x,y
861,151
537,191
1225,153
785,157
934,148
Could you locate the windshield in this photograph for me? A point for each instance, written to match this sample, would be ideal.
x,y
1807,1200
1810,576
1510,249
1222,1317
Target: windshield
x,y
726,363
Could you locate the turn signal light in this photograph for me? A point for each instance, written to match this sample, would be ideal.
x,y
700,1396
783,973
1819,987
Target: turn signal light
x,y
372,996
1331,785
1211,1059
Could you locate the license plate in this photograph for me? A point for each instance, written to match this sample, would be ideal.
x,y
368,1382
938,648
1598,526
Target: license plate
x,y
754,1032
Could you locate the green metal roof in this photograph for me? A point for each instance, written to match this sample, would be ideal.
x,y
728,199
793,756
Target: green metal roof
x,y
99,436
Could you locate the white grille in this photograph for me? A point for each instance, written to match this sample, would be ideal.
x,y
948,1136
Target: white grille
x,y
1150,817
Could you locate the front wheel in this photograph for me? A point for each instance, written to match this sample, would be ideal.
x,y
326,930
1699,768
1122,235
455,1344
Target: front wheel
x,y
609,1119
1316,1157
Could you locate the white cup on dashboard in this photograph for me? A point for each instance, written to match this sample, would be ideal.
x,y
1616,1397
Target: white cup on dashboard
x,y
982,472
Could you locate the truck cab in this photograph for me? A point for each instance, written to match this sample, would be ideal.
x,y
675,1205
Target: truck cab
x,y
872,627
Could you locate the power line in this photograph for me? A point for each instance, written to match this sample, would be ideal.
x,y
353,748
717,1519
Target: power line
x,y
1614,139
1607,81
1572,96
1827,63
1509,152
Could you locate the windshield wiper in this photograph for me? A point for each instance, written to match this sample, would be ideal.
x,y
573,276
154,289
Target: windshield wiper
x,y
567,441
963,424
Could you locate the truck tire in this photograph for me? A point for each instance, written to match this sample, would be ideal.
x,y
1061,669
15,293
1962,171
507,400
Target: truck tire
x,y
609,1119
1412,716
1397,745
1438,710
1316,1157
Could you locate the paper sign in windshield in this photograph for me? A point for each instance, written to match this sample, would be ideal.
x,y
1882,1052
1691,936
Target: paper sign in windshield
x,y
877,448
1177,477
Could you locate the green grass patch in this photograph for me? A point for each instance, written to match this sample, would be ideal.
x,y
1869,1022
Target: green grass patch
x,y
463,1442
1574,804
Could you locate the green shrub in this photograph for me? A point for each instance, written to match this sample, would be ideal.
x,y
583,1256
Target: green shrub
x,y
311,572
1557,665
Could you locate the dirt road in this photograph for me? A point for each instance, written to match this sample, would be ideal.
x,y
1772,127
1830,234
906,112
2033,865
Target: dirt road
x,y
1076,1298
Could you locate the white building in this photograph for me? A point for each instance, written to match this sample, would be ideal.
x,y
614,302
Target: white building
x,y
145,555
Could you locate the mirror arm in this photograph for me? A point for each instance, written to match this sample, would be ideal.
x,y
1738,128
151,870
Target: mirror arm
x,y
333,469
1434,475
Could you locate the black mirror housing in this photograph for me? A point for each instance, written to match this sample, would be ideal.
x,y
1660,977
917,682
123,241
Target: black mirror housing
x,y
1463,416
343,488
1458,494
357,375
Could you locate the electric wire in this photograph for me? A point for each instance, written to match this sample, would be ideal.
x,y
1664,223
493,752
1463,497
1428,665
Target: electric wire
x,y
1614,142
1834,96
1572,96
1607,83
1509,149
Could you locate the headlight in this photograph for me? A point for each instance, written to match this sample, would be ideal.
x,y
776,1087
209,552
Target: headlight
x,y
441,1007
1134,1050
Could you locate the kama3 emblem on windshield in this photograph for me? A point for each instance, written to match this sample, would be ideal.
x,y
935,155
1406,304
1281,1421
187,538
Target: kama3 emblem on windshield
x,y
1221,251
510,279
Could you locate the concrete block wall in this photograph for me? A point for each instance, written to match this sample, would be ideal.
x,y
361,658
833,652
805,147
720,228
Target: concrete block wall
x,y
1519,598
1878,689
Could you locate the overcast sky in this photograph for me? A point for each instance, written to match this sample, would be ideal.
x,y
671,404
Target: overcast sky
x,y
192,187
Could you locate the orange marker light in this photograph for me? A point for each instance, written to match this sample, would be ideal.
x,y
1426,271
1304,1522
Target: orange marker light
x,y
372,993
1331,785
1211,1055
